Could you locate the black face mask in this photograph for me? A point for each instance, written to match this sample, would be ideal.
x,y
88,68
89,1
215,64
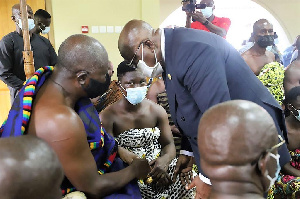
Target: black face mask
x,y
96,88
265,41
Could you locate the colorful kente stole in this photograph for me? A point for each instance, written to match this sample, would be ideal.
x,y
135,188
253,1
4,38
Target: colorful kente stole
x,y
102,145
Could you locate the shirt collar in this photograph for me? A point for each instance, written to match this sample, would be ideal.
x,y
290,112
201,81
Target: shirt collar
x,y
162,43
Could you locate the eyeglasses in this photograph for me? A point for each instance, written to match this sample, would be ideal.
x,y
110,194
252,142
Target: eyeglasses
x,y
141,43
204,5
282,141
293,107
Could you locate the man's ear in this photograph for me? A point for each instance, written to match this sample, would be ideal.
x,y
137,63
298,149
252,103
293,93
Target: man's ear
x,y
81,77
262,163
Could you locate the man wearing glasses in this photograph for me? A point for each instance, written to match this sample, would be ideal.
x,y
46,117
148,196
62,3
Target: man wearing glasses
x,y
206,20
239,149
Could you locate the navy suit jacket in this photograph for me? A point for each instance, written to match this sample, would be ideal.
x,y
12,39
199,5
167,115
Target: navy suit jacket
x,y
202,70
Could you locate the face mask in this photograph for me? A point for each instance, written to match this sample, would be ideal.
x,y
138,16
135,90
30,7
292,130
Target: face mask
x,y
30,24
96,88
265,41
269,48
149,71
272,180
135,95
207,12
46,31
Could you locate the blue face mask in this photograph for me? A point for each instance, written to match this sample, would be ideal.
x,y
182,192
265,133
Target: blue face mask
x,y
207,12
30,24
136,95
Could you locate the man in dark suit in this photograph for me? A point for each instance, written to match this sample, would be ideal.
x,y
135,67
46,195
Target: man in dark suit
x,y
200,70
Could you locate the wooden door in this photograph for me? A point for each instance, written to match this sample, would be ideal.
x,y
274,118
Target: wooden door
x,y
7,26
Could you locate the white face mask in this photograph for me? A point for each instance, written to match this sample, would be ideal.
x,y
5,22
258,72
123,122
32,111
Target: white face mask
x,y
207,12
136,95
30,24
147,70
272,180
46,31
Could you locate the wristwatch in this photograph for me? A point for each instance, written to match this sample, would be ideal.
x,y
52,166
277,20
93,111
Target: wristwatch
x,y
205,23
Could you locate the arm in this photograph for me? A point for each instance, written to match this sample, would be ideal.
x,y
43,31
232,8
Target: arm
x,y
166,139
53,56
152,92
289,170
6,64
161,164
68,139
188,20
106,118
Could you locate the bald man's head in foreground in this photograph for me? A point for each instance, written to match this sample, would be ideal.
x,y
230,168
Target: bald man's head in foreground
x,y
29,169
235,141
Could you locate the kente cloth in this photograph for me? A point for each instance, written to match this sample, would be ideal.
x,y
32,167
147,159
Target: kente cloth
x,y
271,75
287,186
102,145
145,144
113,95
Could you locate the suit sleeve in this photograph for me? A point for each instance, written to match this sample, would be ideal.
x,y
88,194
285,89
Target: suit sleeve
x,y
6,64
206,80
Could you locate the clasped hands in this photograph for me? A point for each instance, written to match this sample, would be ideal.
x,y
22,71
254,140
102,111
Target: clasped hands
x,y
158,168
198,16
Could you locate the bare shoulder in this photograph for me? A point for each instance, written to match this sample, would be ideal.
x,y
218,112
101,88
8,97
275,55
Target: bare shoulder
x,y
110,110
56,123
154,107
270,55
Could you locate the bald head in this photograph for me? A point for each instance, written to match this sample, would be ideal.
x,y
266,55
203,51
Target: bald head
x,y
81,52
291,77
15,10
261,24
133,33
235,133
29,169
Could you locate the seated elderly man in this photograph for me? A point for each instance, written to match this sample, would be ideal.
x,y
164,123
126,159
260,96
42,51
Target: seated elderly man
x,y
55,106
238,149
29,169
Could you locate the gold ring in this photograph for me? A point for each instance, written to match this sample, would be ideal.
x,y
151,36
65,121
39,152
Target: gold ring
x,y
149,180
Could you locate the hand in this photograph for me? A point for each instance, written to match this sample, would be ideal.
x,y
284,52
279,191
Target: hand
x,y
175,131
159,171
126,156
203,190
140,167
198,16
184,167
